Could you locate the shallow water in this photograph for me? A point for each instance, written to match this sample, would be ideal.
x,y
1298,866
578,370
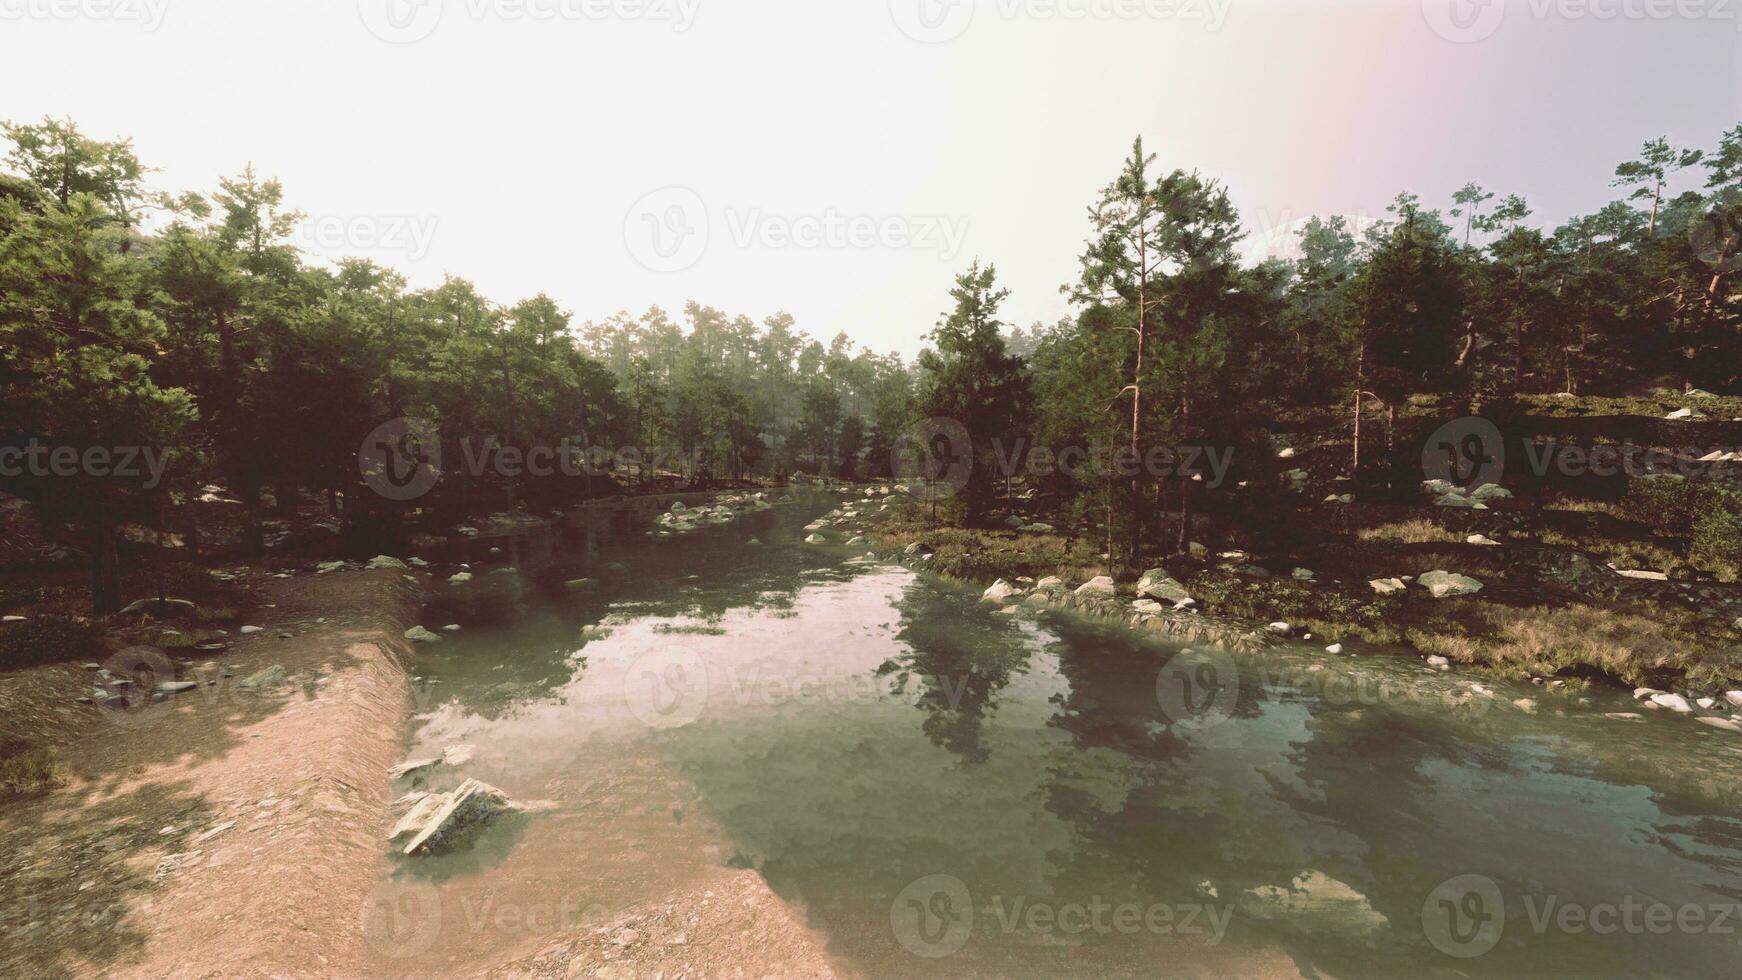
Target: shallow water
x,y
939,789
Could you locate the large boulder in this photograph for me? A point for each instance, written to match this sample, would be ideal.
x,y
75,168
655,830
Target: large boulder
x,y
440,820
1100,585
1158,584
1448,585
1000,591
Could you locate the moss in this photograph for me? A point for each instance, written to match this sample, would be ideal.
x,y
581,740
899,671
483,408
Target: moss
x,y
25,769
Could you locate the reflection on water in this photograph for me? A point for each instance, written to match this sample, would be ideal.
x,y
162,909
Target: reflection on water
x,y
943,790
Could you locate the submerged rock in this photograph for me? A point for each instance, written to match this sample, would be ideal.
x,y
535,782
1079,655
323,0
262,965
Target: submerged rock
x,y
439,821
417,634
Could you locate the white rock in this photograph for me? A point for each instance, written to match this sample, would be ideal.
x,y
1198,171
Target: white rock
x,y
460,578
1647,576
417,634
1280,629
251,630
1641,693
1050,582
1481,539
1447,585
1723,723
11,619
1147,607
1706,703
451,628
1304,575
458,755
1334,648
1388,586
1734,697
1490,491
1000,591
816,539
1438,661
1673,702
410,766
440,817
1100,585
385,561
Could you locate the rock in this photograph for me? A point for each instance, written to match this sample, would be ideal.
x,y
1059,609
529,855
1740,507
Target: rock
x,y
1490,491
858,541
1525,705
1454,500
581,585
1304,575
12,619
1723,723
445,817
452,628
1050,583
1624,715
816,539
1316,902
1147,607
459,578
458,755
1673,702
1641,693
417,634
1439,662
176,687
385,561
1448,585
1734,697
1481,539
1100,585
1037,528
1710,704
1388,586
1288,453
1280,629
410,766
1684,414
1647,576
1340,498
1439,488
266,678
915,549
753,543
1334,648
165,609
1197,550
1158,584
1013,522
1000,591
679,508
251,630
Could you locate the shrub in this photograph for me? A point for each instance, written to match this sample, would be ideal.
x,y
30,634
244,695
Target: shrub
x,y
1718,539
25,768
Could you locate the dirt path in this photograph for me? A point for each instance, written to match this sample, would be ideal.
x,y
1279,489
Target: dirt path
x,y
233,831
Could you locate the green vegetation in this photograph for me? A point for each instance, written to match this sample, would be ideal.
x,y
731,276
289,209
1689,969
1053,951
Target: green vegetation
x,y
25,769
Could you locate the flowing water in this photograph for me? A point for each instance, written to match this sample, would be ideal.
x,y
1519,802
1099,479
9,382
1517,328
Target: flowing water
x,y
938,789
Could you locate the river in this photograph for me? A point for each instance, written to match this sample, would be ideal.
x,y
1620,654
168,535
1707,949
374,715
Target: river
x,y
937,789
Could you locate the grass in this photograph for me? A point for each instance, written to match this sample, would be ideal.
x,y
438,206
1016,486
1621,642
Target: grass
x,y
983,554
1634,649
1416,531
1655,405
25,769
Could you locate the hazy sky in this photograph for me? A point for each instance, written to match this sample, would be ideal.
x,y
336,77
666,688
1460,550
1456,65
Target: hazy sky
x,y
842,159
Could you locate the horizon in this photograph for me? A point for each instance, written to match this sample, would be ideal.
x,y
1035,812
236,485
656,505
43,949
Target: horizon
x,y
853,204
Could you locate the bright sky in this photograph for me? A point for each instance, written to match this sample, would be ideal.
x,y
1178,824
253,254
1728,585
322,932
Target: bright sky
x,y
843,159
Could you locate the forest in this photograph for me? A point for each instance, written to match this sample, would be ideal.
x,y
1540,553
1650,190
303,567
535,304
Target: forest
x,y
187,327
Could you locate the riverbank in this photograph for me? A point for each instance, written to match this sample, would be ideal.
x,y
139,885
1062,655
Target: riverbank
x,y
1551,616
230,828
